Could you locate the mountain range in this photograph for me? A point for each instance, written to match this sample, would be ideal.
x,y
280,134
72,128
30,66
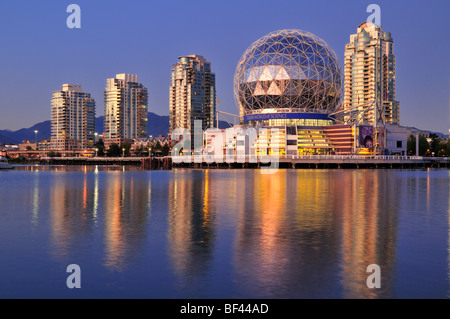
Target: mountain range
x,y
157,125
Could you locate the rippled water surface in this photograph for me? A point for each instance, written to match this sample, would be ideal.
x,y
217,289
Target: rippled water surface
x,y
223,233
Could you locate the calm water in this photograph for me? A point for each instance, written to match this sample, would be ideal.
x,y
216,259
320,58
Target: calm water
x,y
223,233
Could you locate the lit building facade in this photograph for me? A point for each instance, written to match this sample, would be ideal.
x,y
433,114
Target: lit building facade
x,y
126,109
287,85
72,119
192,93
283,141
369,69
288,77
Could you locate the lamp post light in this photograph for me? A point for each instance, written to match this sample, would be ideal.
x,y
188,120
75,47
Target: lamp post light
x,y
123,152
35,138
96,150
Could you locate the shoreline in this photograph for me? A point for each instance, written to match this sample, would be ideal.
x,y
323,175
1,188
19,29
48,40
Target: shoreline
x,y
294,162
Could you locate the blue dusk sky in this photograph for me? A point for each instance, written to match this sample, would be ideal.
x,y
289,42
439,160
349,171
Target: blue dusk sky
x,y
39,53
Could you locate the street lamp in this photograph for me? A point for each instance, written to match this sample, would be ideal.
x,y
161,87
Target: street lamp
x,y
96,150
123,152
35,138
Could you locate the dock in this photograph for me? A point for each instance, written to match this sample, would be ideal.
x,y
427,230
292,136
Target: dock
x,y
290,162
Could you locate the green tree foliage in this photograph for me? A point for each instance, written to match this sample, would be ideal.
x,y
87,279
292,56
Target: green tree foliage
x,y
101,148
114,150
127,147
423,146
165,150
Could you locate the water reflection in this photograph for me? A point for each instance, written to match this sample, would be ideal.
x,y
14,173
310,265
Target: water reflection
x,y
35,209
71,213
370,208
124,203
192,225
304,234
239,233
298,233
125,219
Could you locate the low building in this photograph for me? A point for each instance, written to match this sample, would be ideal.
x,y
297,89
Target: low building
x,y
28,146
397,139
282,140
144,144
44,145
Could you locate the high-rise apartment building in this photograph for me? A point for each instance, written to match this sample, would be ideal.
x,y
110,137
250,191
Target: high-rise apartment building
x,y
192,93
72,119
126,107
370,67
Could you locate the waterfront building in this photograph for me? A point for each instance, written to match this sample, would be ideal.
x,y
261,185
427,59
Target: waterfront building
x,y
370,73
397,139
192,94
126,110
287,85
72,119
282,141
44,145
142,145
28,145
288,77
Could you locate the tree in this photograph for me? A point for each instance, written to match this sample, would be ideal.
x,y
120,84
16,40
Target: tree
x,y
165,149
127,147
114,150
100,145
423,145
411,145
435,145
158,146
447,148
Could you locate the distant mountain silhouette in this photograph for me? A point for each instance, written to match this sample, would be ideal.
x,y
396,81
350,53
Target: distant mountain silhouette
x,y
43,128
6,140
157,125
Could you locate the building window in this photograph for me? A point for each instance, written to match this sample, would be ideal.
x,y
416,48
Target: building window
x,y
399,144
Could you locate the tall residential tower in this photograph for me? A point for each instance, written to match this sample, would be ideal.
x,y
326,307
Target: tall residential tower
x,y
72,119
126,107
370,73
192,93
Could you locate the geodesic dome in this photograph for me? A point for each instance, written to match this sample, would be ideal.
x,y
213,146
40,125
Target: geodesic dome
x,y
288,69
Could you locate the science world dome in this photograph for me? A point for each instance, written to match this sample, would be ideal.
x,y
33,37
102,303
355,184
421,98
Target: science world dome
x,y
288,71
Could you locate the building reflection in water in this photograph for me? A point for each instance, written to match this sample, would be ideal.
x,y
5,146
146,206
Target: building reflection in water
x,y
294,233
369,231
35,206
124,203
191,220
297,233
72,220
303,233
126,211
284,243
